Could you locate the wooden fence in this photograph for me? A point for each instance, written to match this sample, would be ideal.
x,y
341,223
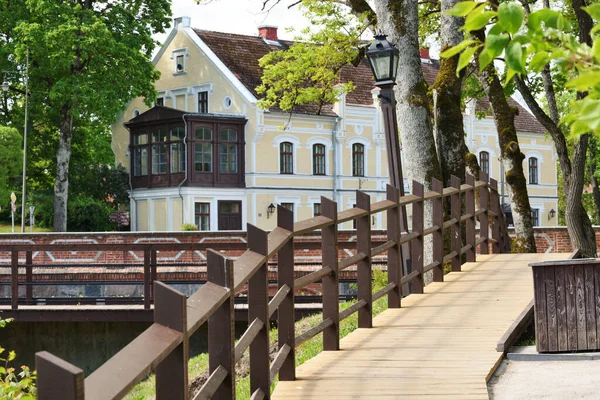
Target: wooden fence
x,y
163,347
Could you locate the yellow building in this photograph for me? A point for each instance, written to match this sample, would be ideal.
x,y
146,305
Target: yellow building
x,y
206,154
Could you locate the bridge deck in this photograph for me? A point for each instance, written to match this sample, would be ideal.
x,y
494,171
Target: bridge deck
x,y
441,344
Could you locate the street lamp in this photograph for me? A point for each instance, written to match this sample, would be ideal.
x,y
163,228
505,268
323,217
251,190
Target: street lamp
x,y
383,58
5,88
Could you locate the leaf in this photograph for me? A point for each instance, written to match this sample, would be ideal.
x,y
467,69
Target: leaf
x,y
477,20
509,75
586,79
11,355
510,16
463,8
514,57
465,57
538,61
593,10
484,60
596,49
495,44
452,51
550,18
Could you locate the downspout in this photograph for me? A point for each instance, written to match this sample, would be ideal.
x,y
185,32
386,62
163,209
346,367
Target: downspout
x,y
130,149
185,145
333,132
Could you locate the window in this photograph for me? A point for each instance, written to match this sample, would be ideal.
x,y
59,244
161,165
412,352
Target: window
x,y
533,171
318,159
203,216
159,153
203,102
358,159
228,151
179,63
140,154
286,158
160,101
535,217
203,149
289,206
484,162
316,209
177,150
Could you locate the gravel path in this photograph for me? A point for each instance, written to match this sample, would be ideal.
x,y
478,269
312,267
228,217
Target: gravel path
x,y
528,380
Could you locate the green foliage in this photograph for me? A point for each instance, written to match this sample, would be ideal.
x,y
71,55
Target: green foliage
x,y
189,227
528,46
13,384
110,184
11,158
87,214
308,72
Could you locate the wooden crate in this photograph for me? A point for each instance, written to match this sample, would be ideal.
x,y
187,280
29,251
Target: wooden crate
x,y
567,305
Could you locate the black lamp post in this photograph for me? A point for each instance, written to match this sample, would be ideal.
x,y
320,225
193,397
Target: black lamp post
x,y
383,59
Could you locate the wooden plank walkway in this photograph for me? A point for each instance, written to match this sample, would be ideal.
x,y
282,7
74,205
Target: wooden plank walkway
x,y
439,345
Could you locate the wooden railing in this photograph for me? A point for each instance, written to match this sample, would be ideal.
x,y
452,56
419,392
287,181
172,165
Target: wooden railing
x,y
163,348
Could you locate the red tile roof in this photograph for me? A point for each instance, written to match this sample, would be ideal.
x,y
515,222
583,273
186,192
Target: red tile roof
x,y
240,53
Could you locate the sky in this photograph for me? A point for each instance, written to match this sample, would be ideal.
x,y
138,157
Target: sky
x,y
239,16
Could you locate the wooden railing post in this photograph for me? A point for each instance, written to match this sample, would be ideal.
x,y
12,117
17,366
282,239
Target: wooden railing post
x,y
147,290
170,310
495,205
29,275
258,305
438,236
221,328
57,379
470,223
417,243
331,289
455,231
285,315
394,264
483,217
14,280
363,267
153,271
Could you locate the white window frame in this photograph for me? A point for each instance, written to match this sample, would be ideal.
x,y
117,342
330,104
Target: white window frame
x,y
367,146
492,154
328,147
205,87
540,159
184,51
290,199
295,145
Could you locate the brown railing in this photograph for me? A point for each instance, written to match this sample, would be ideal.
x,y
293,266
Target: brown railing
x,y
163,348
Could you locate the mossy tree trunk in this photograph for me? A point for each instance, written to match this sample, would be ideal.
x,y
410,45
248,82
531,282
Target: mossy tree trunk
x,y
512,157
447,90
579,225
399,20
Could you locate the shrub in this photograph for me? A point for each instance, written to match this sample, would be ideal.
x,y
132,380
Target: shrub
x,y
189,227
88,214
15,385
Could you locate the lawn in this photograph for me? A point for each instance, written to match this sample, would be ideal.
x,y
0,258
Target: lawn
x,y
199,365
7,228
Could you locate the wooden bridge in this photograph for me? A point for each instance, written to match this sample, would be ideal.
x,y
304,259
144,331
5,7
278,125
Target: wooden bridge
x,y
438,341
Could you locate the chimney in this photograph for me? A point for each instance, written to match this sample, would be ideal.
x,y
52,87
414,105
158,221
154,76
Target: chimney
x,y
425,53
184,22
268,32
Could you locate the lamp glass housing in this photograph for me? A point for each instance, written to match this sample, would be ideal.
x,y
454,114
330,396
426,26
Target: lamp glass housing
x,y
5,86
383,58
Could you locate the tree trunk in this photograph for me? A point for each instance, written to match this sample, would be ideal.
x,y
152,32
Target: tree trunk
x,y
593,148
447,89
399,20
512,158
61,184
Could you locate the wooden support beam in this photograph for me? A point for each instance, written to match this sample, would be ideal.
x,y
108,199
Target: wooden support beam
x,y
57,379
455,230
470,222
285,315
483,218
438,236
417,243
331,289
363,268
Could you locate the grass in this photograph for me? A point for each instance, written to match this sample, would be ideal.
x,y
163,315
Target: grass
x,y
528,337
307,350
7,228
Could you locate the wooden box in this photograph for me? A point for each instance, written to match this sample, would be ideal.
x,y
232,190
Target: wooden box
x,y
567,305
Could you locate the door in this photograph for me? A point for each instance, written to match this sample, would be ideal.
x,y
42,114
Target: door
x,y
230,215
